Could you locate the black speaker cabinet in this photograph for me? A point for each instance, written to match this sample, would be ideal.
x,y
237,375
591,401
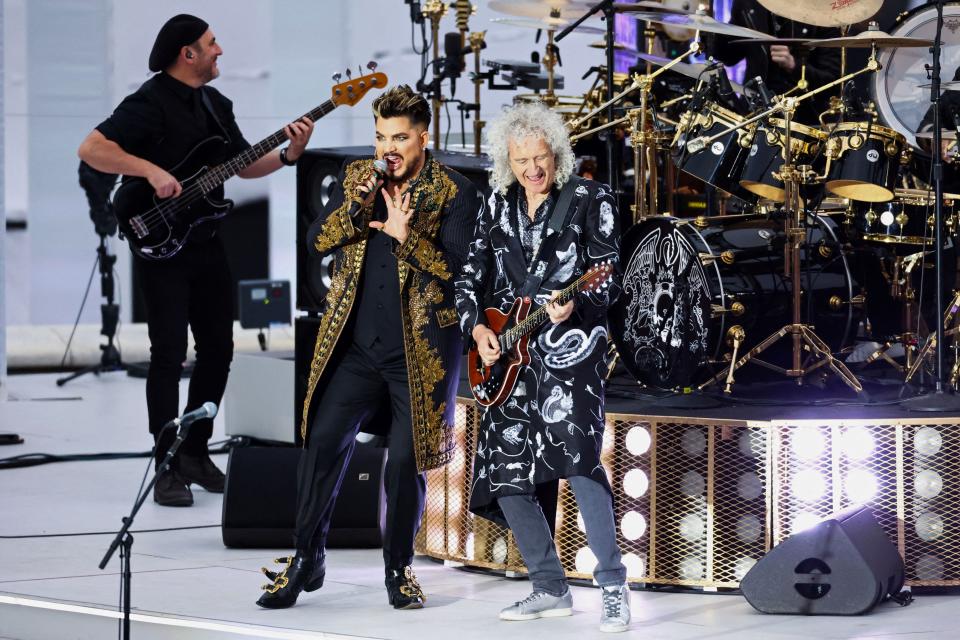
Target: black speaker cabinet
x,y
318,174
260,498
842,566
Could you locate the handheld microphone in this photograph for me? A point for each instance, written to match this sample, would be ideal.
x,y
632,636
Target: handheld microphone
x,y
379,172
207,410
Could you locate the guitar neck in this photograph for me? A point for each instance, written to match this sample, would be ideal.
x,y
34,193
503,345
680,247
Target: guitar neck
x,y
538,317
223,172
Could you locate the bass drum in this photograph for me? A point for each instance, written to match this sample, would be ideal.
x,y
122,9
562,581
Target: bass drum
x,y
685,286
900,102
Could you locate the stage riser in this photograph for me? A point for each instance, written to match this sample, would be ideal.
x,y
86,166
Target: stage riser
x,y
698,501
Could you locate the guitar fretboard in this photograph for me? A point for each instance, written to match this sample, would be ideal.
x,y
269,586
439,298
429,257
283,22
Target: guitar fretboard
x,y
511,336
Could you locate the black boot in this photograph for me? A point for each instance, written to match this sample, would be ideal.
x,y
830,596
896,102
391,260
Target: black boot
x,y
201,470
171,490
403,591
304,572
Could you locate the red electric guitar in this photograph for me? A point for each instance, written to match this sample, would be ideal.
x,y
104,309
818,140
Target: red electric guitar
x,y
491,386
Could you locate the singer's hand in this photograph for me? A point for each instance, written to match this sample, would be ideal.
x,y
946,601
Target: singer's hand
x,y
781,55
558,313
397,225
368,190
298,133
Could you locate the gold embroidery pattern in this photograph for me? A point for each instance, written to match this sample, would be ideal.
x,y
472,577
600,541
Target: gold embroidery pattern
x,y
338,227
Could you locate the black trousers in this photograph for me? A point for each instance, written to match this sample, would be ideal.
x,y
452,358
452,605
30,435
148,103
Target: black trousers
x,y
192,289
355,388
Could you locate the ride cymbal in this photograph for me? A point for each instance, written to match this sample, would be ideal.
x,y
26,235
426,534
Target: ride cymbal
x,y
568,10
547,24
698,22
867,39
824,13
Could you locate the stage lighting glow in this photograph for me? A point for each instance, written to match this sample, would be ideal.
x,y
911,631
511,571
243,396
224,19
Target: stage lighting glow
x,y
808,442
691,568
634,565
929,526
638,440
633,525
453,539
808,485
803,521
499,551
692,484
471,546
861,486
746,444
928,484
929,567
749,486
748,528
857,443
927,441
742,566
693,442
635,483
586,561
580,523
692,527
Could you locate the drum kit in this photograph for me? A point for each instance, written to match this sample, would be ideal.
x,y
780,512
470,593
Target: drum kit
x,y
811,238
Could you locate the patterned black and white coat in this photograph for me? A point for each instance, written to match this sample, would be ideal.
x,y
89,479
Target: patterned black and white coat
x,y
552,425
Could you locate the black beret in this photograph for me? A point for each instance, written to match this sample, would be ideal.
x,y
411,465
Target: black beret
x,y
176,33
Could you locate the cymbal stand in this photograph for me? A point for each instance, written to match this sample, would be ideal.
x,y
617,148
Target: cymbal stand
x,y
929,347
477,42
902,291
802,335
434,10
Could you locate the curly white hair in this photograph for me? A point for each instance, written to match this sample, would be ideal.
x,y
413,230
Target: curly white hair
x,y
521,121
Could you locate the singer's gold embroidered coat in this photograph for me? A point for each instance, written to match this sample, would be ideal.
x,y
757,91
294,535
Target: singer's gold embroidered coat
x,y
446,207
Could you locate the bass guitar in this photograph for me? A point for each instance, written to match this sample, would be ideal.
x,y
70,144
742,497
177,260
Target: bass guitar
x,y
156,228
492,385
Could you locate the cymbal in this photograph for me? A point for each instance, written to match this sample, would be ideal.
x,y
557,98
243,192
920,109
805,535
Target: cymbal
x,y
824,13
547,24
617,46
950,85
687,6
567,10
787,42
691,70
945,134
695,21
870,37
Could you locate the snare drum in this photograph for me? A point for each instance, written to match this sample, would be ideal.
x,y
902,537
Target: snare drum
x,y
863,161
721,162
766,156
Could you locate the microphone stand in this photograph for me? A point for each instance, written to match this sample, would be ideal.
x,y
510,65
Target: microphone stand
x,y
124,540
939,400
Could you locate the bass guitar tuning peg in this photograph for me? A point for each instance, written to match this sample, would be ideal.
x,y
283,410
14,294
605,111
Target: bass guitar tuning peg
x,y
372,65
337,76
349,75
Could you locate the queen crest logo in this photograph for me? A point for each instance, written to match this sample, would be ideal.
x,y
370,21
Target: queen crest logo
x,y
716,148
873,155
952,25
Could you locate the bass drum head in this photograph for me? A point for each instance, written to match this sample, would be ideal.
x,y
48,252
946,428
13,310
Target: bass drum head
x,y
896,87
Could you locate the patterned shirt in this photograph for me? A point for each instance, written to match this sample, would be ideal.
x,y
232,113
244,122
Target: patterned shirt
x,y
531,231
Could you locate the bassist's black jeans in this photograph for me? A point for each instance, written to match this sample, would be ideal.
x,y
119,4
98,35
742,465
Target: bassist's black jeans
x,y
193,288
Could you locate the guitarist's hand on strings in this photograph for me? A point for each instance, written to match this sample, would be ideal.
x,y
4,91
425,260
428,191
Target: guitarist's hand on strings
x,y
298,132
397,225
558,313
163,183
487,344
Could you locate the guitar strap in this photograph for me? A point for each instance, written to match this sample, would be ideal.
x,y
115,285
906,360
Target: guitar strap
x,y
213,113
551,232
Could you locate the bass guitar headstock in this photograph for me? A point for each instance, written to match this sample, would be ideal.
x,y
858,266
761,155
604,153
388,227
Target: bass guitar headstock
x,y
352,91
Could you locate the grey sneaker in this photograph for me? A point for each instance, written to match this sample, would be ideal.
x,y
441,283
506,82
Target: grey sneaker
x,y
615,615
539,605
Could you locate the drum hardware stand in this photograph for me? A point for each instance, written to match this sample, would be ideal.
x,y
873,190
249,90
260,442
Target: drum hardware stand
x,y
434,10
735,336
930,345
938,400
477,42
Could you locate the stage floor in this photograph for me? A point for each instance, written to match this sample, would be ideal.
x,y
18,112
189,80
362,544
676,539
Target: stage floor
x,y
186,584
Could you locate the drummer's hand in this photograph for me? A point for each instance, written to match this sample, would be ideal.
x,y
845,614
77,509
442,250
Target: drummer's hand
x,y
948,150
558,313
782,56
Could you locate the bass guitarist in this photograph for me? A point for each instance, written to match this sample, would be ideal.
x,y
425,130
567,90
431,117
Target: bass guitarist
x,y
149,133
543,230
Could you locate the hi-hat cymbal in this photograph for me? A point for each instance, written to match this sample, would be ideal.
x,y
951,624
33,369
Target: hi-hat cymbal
x,y
951,85
824,13
869,38
547,24
617,46
945,134
691,70
787,42
568,10
686,6
696,21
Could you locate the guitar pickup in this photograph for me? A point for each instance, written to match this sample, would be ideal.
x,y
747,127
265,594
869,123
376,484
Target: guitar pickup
x,y
139,228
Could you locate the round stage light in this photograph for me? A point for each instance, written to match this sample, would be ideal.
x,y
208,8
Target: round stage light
x,y
803,521
634,565
927,441
929,567
691,568
808,485
929,526
692,484
928,484
749,486
857,443
746,444
692,527
748,528
499,551
635,483
693,442
808,443
861,486
638,440
633,525
586,562
471,546
742,566
453,539
580,523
